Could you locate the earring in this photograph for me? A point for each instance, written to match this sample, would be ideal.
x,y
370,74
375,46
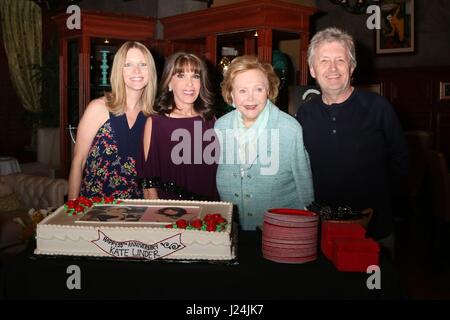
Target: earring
x,y
170,88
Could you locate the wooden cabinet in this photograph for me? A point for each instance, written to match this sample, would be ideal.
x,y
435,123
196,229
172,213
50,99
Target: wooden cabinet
x,y
251,27
85,60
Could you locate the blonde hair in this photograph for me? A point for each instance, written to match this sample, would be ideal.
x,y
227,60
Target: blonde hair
x,y
332,34
246,63
116,99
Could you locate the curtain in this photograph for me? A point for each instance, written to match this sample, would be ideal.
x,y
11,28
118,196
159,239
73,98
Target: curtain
x,y
21,24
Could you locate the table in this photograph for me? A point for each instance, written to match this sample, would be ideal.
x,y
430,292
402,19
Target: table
x,y
9,165
252,277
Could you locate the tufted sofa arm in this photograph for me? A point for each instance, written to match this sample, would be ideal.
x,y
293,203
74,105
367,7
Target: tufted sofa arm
x,y
36,191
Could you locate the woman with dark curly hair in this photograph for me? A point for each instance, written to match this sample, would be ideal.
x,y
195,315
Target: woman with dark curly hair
x,y
178,159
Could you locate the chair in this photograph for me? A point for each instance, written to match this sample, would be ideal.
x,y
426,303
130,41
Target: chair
x,y
419,143
47,154
440,185
440,198
298,95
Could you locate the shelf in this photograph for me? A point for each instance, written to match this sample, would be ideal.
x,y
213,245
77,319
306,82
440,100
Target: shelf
x,y
235,24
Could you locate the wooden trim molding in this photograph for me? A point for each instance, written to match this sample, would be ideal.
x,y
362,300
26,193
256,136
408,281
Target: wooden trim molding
x,y
238,17
105,24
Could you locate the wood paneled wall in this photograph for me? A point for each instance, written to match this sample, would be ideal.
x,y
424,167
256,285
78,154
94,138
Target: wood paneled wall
x,y
414,92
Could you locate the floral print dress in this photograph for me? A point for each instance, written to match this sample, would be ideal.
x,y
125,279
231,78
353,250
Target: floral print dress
x,y
110,169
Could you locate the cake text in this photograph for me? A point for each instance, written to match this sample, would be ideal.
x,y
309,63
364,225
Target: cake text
x,y
137,249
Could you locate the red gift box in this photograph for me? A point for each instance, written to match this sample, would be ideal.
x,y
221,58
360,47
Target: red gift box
x,y
331,231
355,254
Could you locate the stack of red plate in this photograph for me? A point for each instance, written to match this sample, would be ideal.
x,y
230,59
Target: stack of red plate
x,y
290,235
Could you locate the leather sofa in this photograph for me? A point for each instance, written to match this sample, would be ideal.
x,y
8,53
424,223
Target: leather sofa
x,y
33,192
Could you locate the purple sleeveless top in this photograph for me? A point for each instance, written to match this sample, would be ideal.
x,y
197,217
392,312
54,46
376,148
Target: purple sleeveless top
x,y
181,169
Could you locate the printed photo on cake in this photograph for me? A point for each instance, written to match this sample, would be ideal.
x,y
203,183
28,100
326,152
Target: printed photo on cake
x,y
171,214
114,213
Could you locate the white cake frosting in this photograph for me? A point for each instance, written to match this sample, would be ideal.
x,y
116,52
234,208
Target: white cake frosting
x,y
63,234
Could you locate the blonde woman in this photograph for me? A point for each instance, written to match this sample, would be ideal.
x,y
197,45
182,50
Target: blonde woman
x,y
104,162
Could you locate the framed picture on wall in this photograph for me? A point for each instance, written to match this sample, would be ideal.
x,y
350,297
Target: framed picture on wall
x,y
396,34
444,92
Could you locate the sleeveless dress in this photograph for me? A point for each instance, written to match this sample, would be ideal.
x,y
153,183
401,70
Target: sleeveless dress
x,y
110,169
184,169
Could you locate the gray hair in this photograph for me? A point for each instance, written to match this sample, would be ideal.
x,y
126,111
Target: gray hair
x,y
332,34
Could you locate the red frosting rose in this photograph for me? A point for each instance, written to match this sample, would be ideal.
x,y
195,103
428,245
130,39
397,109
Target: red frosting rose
x,y
79,208
109,199
84,201
209,223
79,205
221,220
71,204
182,224
197,223
96,199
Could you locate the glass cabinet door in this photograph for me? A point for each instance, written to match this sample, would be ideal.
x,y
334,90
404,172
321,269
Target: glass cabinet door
x,y
101,61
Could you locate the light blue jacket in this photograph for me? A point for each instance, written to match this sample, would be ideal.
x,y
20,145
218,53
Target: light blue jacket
x,y
254,193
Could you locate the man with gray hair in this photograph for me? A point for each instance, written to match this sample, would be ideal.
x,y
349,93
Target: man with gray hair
x,y
354,139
